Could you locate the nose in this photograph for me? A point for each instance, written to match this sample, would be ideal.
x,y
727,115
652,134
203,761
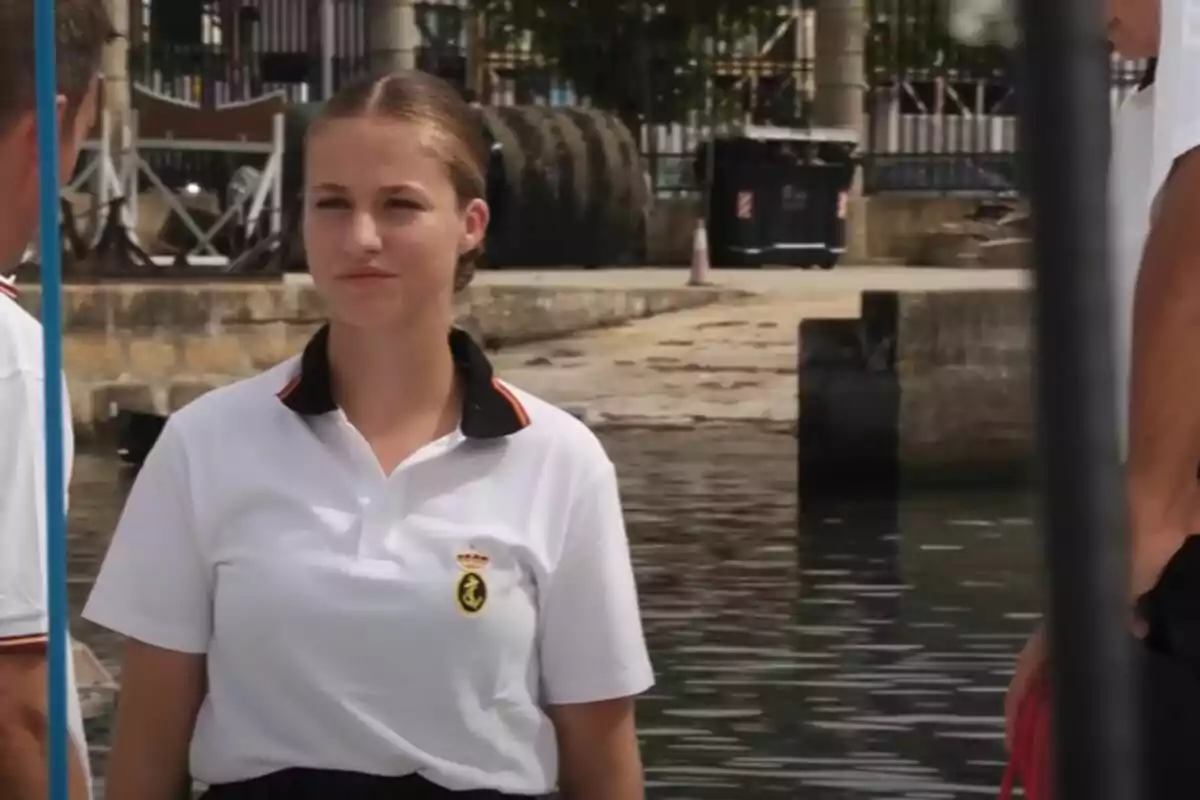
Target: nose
x,y
364,233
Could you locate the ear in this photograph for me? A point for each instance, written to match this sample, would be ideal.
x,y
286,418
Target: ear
x,y
475,222
27,127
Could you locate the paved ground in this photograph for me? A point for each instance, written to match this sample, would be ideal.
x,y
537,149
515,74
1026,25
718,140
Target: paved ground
x,y
728,362
766,281
775,281
725,362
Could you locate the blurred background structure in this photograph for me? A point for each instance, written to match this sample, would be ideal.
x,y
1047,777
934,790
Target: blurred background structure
x,y
939,114
599,108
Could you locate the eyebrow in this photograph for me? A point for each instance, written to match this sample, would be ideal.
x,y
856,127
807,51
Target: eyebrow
x,y
389,189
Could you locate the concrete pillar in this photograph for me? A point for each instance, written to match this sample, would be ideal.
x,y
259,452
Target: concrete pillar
x,y
841,80
477,54
117,98
392,35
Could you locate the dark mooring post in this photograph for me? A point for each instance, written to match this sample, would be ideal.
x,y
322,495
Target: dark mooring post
x,y
1065,133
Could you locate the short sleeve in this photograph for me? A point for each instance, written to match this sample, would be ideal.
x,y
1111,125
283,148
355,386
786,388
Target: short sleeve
x,y
592,647
1176,112
155,585
23,615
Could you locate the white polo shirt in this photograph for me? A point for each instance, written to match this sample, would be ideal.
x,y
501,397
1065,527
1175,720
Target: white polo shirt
x,y
385,624
24,619
1153,129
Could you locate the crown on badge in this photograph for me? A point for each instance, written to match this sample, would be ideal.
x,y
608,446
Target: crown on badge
x,y
472,560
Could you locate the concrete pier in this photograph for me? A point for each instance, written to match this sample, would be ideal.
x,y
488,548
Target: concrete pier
x,y
629,347
156,347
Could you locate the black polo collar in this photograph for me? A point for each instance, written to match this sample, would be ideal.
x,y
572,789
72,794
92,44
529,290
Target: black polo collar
x,y
490,411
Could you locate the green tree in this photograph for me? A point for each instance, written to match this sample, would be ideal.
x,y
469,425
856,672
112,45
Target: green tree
x,y
646,60
913,38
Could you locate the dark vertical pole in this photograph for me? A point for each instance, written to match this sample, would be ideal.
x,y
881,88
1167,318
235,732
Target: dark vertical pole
x,y
328,47
1065,132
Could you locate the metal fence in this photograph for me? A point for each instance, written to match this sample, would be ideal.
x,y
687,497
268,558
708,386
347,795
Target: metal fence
x,y
941,116
669,71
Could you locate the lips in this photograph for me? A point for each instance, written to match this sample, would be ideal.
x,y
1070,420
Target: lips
x,y
367,274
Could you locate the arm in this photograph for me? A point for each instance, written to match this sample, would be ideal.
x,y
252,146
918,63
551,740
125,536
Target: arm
x,y
149,758
1164,412
24,726
598,751
1164,441
593,655
155,588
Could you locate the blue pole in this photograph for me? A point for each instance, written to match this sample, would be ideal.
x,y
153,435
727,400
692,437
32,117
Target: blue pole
x,y
56,514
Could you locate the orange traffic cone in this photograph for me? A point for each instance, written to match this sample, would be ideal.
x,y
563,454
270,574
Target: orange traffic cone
x,y
698,275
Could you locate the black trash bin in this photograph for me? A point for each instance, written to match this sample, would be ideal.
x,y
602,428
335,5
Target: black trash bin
x,y
778,195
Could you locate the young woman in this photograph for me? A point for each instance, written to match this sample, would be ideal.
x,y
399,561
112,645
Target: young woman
x,y
376,570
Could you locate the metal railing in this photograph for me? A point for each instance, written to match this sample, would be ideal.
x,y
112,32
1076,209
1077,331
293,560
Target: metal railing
x,y
941,115
118,174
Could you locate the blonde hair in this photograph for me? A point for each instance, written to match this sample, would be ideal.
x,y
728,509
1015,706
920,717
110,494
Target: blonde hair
x,y
458,139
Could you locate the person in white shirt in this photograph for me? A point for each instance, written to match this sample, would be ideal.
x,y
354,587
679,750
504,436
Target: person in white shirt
x,y
376,570
83,30
1155,221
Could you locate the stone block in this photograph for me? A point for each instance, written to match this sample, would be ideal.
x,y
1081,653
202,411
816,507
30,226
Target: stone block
x,y
86,311
214,355
108,398
241,304
263,344
305,304
961,366
297,338
151,357
183,392
93,355
82,411
181,308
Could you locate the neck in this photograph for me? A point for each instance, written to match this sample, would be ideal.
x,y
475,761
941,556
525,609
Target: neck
x,y
382,377
15,234
12,248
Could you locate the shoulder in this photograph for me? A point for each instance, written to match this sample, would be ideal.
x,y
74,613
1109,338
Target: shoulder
x,y
559,439
242,406
20,340
1176,114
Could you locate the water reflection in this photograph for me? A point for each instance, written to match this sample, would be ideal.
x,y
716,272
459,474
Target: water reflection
x,y
863,657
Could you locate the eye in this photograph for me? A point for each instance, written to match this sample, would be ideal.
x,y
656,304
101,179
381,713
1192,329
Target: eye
x,y
401,203
331,203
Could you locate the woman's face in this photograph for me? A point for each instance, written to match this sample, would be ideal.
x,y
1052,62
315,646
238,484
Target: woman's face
x,y
1133,27
383,225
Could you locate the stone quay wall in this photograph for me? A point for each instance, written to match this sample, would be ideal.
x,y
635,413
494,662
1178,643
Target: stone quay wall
x,y
964,365
923,388
156,347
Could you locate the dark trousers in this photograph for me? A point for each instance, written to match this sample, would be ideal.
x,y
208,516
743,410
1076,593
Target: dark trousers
x,y
1169,663
322,784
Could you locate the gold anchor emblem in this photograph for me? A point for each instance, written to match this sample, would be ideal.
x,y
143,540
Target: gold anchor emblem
x,y
471,591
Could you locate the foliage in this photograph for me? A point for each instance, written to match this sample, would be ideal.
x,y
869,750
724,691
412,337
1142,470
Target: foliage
x,y
642,59
908,37
650,60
